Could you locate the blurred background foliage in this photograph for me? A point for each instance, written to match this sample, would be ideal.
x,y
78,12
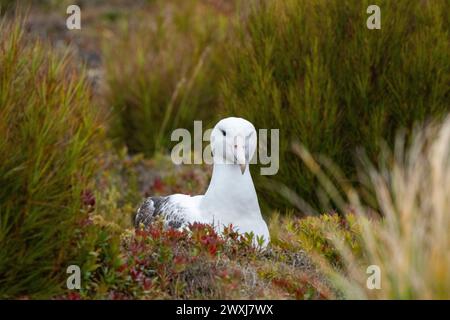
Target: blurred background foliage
x,y
312,69
170,76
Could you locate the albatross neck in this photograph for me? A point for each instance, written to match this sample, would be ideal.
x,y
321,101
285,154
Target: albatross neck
x,y
232,189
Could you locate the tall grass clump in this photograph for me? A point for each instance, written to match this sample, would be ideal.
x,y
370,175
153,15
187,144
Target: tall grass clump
x,y
410,245
48,130
161,72
315,71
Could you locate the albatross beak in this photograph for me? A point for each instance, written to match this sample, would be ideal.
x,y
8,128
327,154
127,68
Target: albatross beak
x,y
242,165
239,149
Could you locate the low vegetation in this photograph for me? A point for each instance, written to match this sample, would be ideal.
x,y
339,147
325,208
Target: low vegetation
x,y
196,263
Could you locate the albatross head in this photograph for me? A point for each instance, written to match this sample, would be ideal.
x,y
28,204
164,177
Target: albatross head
x,y
233,141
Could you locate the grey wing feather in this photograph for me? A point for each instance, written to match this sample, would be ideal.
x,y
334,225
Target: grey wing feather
x,y
155,206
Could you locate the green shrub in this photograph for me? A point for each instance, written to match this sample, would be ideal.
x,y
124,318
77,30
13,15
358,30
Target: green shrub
x,y
315,71
48,135
99,253
161,73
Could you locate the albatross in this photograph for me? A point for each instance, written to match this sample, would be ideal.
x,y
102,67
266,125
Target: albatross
x,y
230,198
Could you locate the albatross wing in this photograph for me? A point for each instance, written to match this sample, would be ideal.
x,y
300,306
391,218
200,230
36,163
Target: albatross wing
x,y
177,210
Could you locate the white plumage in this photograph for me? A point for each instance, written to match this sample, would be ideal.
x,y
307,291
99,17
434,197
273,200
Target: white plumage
x,y
231,197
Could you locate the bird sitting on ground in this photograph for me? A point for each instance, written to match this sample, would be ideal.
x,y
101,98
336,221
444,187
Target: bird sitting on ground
x,y
230,198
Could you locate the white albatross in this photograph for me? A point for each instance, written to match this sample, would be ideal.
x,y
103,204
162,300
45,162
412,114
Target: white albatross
x,y
231,196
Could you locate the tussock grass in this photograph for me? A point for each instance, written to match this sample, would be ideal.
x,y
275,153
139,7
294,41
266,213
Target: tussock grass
x,y
48,138
314,70
410,244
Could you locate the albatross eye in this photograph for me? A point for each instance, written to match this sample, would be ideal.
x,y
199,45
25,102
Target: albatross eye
x,y
223,132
